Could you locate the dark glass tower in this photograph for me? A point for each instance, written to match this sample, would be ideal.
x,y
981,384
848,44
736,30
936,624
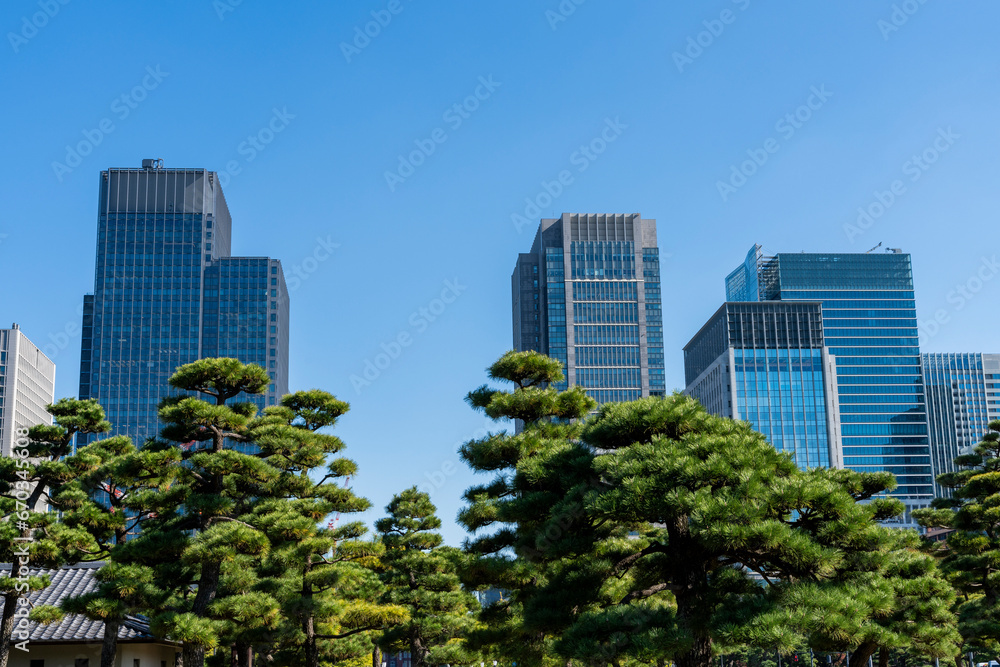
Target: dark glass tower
x,y
870,327
767,363
588,294
167,292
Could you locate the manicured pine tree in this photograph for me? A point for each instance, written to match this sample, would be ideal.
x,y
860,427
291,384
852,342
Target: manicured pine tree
x,y
421,576
199,533
322,573
722,510
885,594
25,483
970,557
105,501
529,518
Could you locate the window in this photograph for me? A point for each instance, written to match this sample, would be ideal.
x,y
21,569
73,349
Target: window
x,y
36,663
81,662
274,281
135,662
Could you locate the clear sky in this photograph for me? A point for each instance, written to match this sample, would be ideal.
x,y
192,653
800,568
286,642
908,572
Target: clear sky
x,y
839,105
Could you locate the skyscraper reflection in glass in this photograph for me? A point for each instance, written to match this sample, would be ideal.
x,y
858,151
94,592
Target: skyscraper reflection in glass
x,y
167,292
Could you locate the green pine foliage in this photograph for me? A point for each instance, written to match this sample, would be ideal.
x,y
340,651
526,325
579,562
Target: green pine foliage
x,y
971,556
324,576
421,576
27,482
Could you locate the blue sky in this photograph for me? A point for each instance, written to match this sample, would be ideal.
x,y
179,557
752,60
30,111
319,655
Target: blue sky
x,y
887,107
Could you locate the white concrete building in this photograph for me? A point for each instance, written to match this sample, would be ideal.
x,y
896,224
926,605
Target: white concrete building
x,y
27,385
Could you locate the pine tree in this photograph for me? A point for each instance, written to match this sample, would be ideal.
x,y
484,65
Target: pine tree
x,y
323,575
199,538
717,509
421,576
26,480
971,555
102,504
533,506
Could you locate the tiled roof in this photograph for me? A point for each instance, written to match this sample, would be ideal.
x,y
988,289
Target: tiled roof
x,y
73,580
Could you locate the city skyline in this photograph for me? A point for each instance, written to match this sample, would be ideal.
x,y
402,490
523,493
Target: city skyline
x,y
600,112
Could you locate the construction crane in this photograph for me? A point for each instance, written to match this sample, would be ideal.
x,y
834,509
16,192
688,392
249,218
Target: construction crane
x,y
875,248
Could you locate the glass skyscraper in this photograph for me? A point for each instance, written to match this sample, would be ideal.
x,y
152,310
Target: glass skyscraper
x,y
767,363
963,397
167,292
870,327
588,294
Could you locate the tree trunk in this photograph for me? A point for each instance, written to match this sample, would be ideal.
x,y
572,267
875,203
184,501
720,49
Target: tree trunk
x,y
859,658
243,654
208,585
7,626
309,622
193,655
883,657
109,646
699,655
377,657
418,652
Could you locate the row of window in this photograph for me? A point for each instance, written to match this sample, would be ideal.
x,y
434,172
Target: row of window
x,y
607,356
609,377
605,312
606,335
605,291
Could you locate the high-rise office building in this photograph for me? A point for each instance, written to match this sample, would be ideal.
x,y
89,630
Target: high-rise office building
x,y
167,292
870,327
963,397
588,294
767,363
27,385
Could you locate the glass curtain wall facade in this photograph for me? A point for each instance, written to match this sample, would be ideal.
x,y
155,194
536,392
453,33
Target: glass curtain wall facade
x,y
167,292
588,294
870,327
766,363
963,397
